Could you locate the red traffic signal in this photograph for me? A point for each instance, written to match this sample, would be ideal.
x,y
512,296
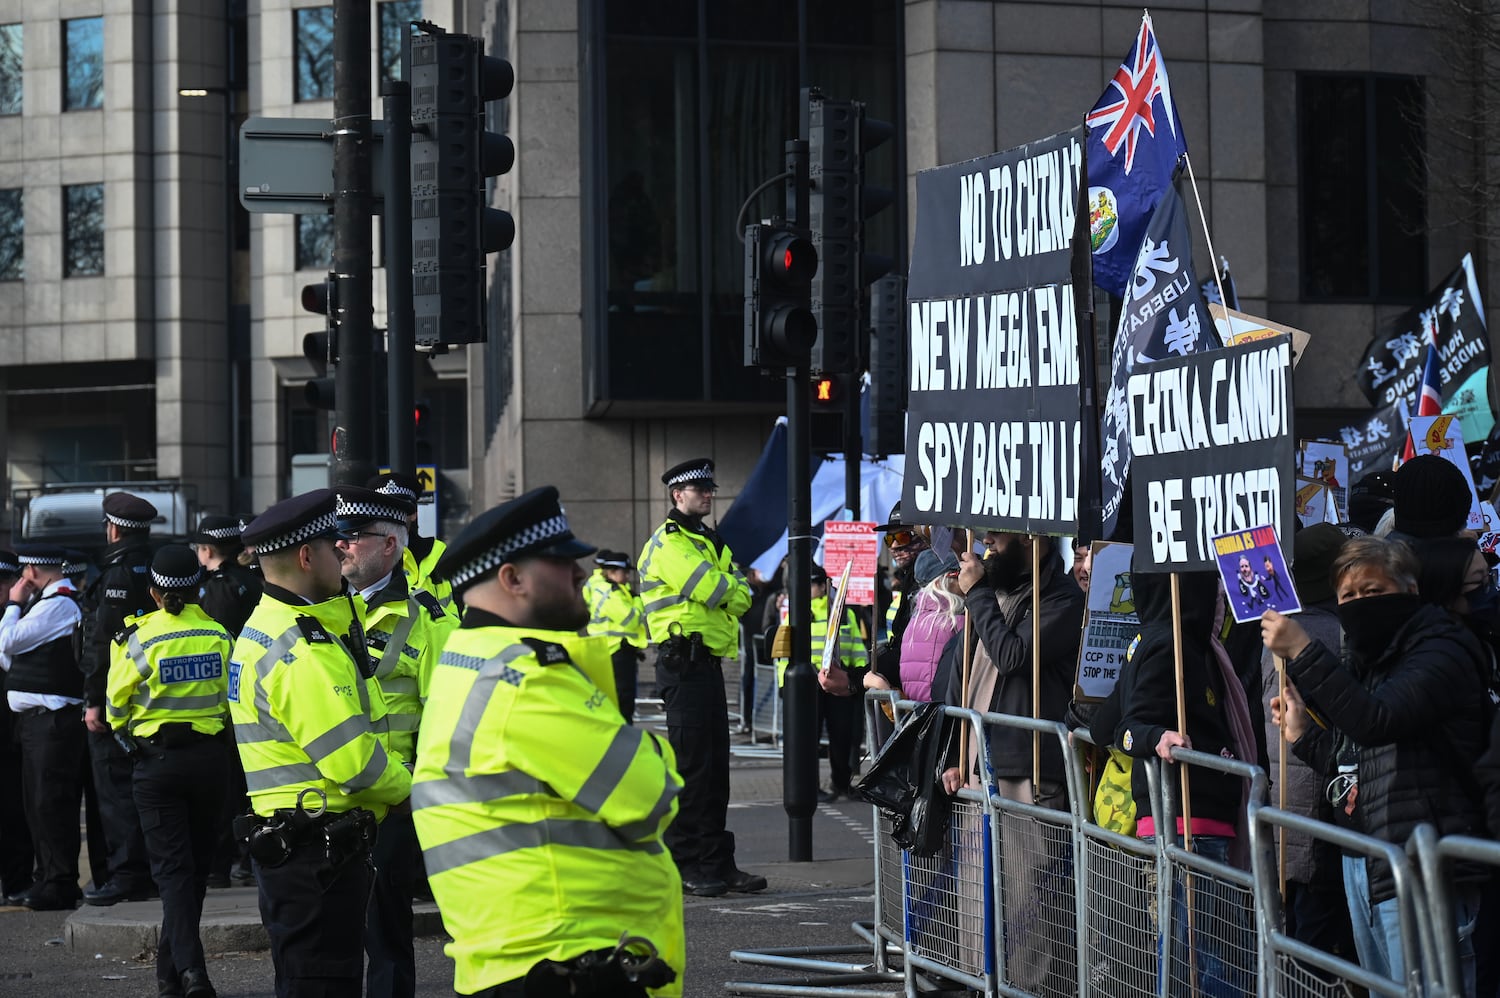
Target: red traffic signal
x,y
319,298
789,259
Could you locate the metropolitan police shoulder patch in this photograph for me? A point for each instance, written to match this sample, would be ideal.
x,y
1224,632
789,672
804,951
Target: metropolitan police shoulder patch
x,y
122,636
671,527
312,629
429,603
547,653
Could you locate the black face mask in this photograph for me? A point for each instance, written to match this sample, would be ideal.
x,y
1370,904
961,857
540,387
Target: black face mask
x,y
1370,624
1484,612
1007,569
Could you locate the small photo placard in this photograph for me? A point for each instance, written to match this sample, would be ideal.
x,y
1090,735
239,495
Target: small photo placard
x,y
1255,573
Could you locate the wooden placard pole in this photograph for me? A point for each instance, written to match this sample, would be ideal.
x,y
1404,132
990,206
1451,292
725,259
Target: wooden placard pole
x,y
1281,775
1182,770
1036,666
963,730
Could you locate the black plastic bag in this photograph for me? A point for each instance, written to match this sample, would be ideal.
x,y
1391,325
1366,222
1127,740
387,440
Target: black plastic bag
x,y
906,781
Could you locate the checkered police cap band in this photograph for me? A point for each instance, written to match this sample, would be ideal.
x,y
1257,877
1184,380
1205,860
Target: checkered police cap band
x,y
128,524
9,567
697,474
42,559
554,528
327,523
612,562
372,510
223,533
392,489
74,567
174,582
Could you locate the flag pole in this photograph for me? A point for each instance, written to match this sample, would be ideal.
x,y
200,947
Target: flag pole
x,y
1281,776
1213,257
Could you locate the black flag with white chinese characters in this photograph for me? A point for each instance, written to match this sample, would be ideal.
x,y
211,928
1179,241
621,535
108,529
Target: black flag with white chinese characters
x,y
1163,316
1374,439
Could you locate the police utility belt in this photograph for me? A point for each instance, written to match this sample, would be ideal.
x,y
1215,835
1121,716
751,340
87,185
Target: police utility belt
x,y
685,653
168,736
340,836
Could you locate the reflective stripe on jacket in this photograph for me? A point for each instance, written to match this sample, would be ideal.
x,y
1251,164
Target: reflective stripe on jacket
x,y
303,714
169,669
540,812
614,611
688,579
405,637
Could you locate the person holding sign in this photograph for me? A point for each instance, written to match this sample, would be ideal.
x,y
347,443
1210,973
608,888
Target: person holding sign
x,y
999,597
1410,693
838,712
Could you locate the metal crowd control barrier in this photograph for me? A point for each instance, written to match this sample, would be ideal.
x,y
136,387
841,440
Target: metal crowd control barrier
x,y
1029,902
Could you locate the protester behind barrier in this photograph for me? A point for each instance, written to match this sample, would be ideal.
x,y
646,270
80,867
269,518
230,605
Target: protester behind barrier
x,y
1411,694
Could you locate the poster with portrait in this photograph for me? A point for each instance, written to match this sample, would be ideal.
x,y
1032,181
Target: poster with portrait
x,y
1255,573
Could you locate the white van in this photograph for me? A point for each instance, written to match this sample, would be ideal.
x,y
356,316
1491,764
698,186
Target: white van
x,y
72,514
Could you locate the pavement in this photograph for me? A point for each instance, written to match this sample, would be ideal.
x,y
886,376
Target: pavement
x,y
108,952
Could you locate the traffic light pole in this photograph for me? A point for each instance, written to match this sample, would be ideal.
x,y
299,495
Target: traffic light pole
x,y
799,760
400,336
354,413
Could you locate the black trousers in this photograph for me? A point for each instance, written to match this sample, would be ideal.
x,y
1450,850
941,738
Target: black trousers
x,y
179,793
698,730
517,989
625,662
317,933
129,865
227,849
392,972
53,748
17,859
841,717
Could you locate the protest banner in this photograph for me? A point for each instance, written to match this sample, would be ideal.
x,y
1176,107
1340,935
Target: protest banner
x,y
1255,574
1109,622
1213,451
852,544
994,430
1314,502
1235,328
1327,462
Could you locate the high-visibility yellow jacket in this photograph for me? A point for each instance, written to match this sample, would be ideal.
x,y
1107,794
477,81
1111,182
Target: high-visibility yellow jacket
x,y
419,576
303,711
852,651
405,631
169,669
688,578
540,811
614,611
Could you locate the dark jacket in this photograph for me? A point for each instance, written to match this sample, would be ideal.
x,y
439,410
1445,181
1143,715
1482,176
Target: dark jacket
x,y
229,595
1419,714
122,591
1008,643
1148,691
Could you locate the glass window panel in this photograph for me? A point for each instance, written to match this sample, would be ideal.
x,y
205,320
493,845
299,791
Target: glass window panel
x,y
1334,192
10,69
83,63
12,235
752,21
312,30
1401,183
658,19
83,220
395,19
314,242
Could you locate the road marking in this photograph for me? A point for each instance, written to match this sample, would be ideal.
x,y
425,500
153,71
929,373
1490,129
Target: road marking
x,y
856,826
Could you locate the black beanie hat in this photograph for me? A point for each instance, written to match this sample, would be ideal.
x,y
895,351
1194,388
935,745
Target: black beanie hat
x,y
1432,498
1370,497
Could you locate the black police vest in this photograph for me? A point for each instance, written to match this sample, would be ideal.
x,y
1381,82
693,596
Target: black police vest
x,y
51,668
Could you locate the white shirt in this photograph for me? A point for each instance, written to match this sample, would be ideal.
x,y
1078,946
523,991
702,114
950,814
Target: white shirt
x,y
47,620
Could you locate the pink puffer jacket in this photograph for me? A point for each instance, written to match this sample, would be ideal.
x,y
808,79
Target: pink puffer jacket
x,y
927,634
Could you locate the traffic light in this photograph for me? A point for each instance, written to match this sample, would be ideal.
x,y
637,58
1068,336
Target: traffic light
x,y
779,324
887,367
321,348
826,411
452,225
422,430
840,200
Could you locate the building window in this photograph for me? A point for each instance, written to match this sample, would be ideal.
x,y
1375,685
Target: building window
x,y
83,63
12,235
395,20
314,242
694,104
83,233
10,69
312,31
1363,204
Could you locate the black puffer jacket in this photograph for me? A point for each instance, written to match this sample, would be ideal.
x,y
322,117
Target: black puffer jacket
x,y
1148,691
1419,714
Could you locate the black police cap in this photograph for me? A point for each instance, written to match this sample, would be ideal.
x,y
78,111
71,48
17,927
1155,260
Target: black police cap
x,y
9,563
294,521
128,511
175,566
396,483
41,554
612,559
218,530
698,471
532,525
361,505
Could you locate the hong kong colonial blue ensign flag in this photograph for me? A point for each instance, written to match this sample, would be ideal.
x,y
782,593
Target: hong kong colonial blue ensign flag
x,y
1135,140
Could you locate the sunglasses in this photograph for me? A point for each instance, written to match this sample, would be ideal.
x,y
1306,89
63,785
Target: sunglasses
x,y
902,538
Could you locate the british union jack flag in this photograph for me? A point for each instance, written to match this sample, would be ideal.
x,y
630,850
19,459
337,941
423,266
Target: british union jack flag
x,y
1135,142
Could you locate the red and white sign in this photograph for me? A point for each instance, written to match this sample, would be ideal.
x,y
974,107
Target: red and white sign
x,y
853,543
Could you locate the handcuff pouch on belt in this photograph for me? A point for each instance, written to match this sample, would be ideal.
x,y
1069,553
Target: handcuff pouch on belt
x,y
683,653
628,970
344,837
